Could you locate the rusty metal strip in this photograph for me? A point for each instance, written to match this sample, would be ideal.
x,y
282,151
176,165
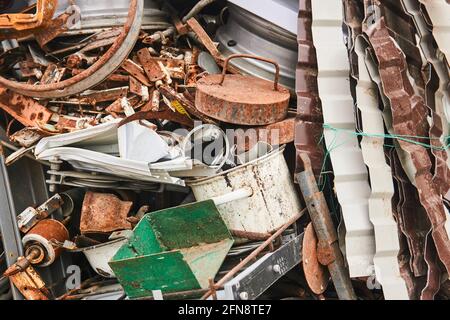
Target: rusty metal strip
x,y
351,177
380,210
434,272
25,110
21,24
203,37
437,95
309,120
439,13
415,284
328,251
99,71
150,65
409,118
412,218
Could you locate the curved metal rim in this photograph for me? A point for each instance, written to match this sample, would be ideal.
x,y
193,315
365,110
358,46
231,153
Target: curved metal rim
x,y
98,72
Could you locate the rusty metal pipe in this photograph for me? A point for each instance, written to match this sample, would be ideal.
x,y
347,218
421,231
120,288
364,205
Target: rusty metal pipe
x,y
233,56
99,71
253,255
325,231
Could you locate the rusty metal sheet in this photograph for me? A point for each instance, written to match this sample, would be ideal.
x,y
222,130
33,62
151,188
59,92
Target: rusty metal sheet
x,y
308,125
136,71
27,280
25,110
55,27
242,100
401,25
437,93
94,96
415,284
411,216
380,210
316,274
26,137
103,213
409,118
150,65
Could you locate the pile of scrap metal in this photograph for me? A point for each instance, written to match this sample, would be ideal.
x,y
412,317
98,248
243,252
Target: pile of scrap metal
x,y
170,160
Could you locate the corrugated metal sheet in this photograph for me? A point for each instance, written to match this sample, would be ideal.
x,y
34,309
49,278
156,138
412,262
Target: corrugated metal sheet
x,y
309,120
351,178
380,209
409,118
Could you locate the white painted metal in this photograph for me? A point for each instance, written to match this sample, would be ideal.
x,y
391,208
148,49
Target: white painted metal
x,y
233,196
387,269
351,178
99,256
439,13
273,201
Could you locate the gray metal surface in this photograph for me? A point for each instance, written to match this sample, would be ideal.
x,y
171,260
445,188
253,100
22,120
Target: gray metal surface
x,y
257,278
22,185
107,13
247,33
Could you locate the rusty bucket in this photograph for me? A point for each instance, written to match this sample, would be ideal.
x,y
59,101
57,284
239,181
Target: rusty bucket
x,y
242,100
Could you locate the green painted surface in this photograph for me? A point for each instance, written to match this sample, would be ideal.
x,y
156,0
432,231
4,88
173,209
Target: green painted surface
x,y
172,250
189,225
163,271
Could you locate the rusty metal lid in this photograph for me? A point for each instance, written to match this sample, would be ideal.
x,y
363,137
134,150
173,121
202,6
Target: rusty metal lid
x,y
243,100
317,275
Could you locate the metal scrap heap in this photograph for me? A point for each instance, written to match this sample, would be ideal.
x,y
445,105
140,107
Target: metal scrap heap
x,y
227,150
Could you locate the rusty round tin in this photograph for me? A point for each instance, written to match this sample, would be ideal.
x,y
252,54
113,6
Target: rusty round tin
x,y
243,100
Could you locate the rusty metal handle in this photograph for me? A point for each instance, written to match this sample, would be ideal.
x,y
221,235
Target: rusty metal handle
x,y
277,67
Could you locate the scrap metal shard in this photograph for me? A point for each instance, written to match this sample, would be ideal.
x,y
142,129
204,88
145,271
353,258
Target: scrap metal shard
x,y
351,177
409,118
22,24
103,213
309,120
25,110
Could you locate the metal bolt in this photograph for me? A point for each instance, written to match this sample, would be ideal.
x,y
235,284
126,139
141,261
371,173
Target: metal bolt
x,y
243,295
55,165
276,268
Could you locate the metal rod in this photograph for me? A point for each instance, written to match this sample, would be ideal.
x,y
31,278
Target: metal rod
x,y
326,233
253,255
197,9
